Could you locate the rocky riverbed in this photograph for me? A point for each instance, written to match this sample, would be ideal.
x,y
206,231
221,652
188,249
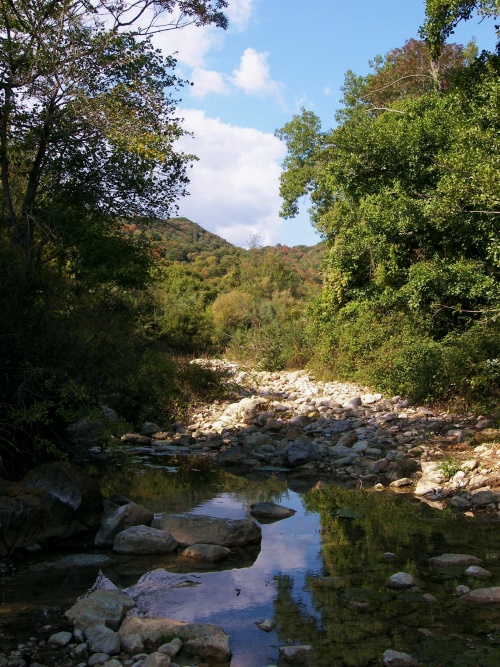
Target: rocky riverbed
x,y
340,433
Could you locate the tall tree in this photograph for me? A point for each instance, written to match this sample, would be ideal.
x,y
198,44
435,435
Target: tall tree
x,y
86,119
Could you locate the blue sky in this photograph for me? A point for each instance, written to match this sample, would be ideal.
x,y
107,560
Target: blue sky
x,y
276,57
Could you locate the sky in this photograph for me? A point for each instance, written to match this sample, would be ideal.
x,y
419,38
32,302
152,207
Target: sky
x,y
276,57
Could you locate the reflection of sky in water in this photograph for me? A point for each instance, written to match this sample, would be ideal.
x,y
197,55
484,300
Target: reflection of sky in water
x,y
235,599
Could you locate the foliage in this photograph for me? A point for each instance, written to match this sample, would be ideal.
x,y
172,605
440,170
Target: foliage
x,y
408,197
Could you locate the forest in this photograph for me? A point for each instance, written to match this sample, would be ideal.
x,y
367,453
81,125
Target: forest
x,y
106,296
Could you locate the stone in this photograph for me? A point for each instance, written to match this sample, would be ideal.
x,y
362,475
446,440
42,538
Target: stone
x,y
398,483
397,659
172,648
300,452
149,429
70,562
388,557
190,529
60,639
249,408
488,435
207,641
206,553
461,590
157,659
428,597
98,659
136,439
259,440
460,503
270,511
482,596
267,625
123,517
294,653
113,662
483,498
144,540
478,572
454,560
401,580
132,644
101,606
102,639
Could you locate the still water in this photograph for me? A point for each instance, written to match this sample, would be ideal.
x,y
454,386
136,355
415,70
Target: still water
x,y
349,620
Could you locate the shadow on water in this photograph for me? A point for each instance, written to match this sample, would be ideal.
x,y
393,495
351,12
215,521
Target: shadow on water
x,y
319,575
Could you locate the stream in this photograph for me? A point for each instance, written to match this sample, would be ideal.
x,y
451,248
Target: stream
x,y
349,619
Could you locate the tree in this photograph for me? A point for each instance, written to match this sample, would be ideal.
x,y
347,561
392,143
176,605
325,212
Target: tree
x,y
87,125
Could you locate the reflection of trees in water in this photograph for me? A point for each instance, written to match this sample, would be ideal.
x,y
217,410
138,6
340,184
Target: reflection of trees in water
x,y
353,617
195,481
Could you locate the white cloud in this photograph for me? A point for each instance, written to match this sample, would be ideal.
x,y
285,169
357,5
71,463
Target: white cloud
x,y
235,184
207,81
239,13
328,90
191,43
254,75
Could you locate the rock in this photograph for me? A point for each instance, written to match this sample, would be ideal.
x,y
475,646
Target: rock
x,y
73,561
206,553
454,560
98,659
150,429
300,452
144,540
102,639
398,483
388,557
157,659
478,572
190,529
347,439
207,641
101,606
136,439
249,408
461,590
60,639
294,653
86,431
397,659
234,456
482,596
428,597
259,440
401,580
172,648
270,511
483,498
460,503
122,518
132,644
488,435
267,625
55,500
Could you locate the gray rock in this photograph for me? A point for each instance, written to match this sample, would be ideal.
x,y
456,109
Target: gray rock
x,y
267,625
270,511
454,560
102,639
113,662
101,606
401,580
190,529
398,483
136,439
98,659
483,498
300,452
122,518
60,639
460,503
157,659
259,440
206,553
294,653
150,429
482,596
144,540
461,590
398,659
478,572
172,648
208,641
132,644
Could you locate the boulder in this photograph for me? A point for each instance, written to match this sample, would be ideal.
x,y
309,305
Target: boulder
x,y
270,511
190,529
300,452
488,435
157,659
248,409
102,639
483,498
295,653
205,640
123,517
482,596
144,540
401,580
100,607
398,659
454,560
71,486
54,501
206,553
